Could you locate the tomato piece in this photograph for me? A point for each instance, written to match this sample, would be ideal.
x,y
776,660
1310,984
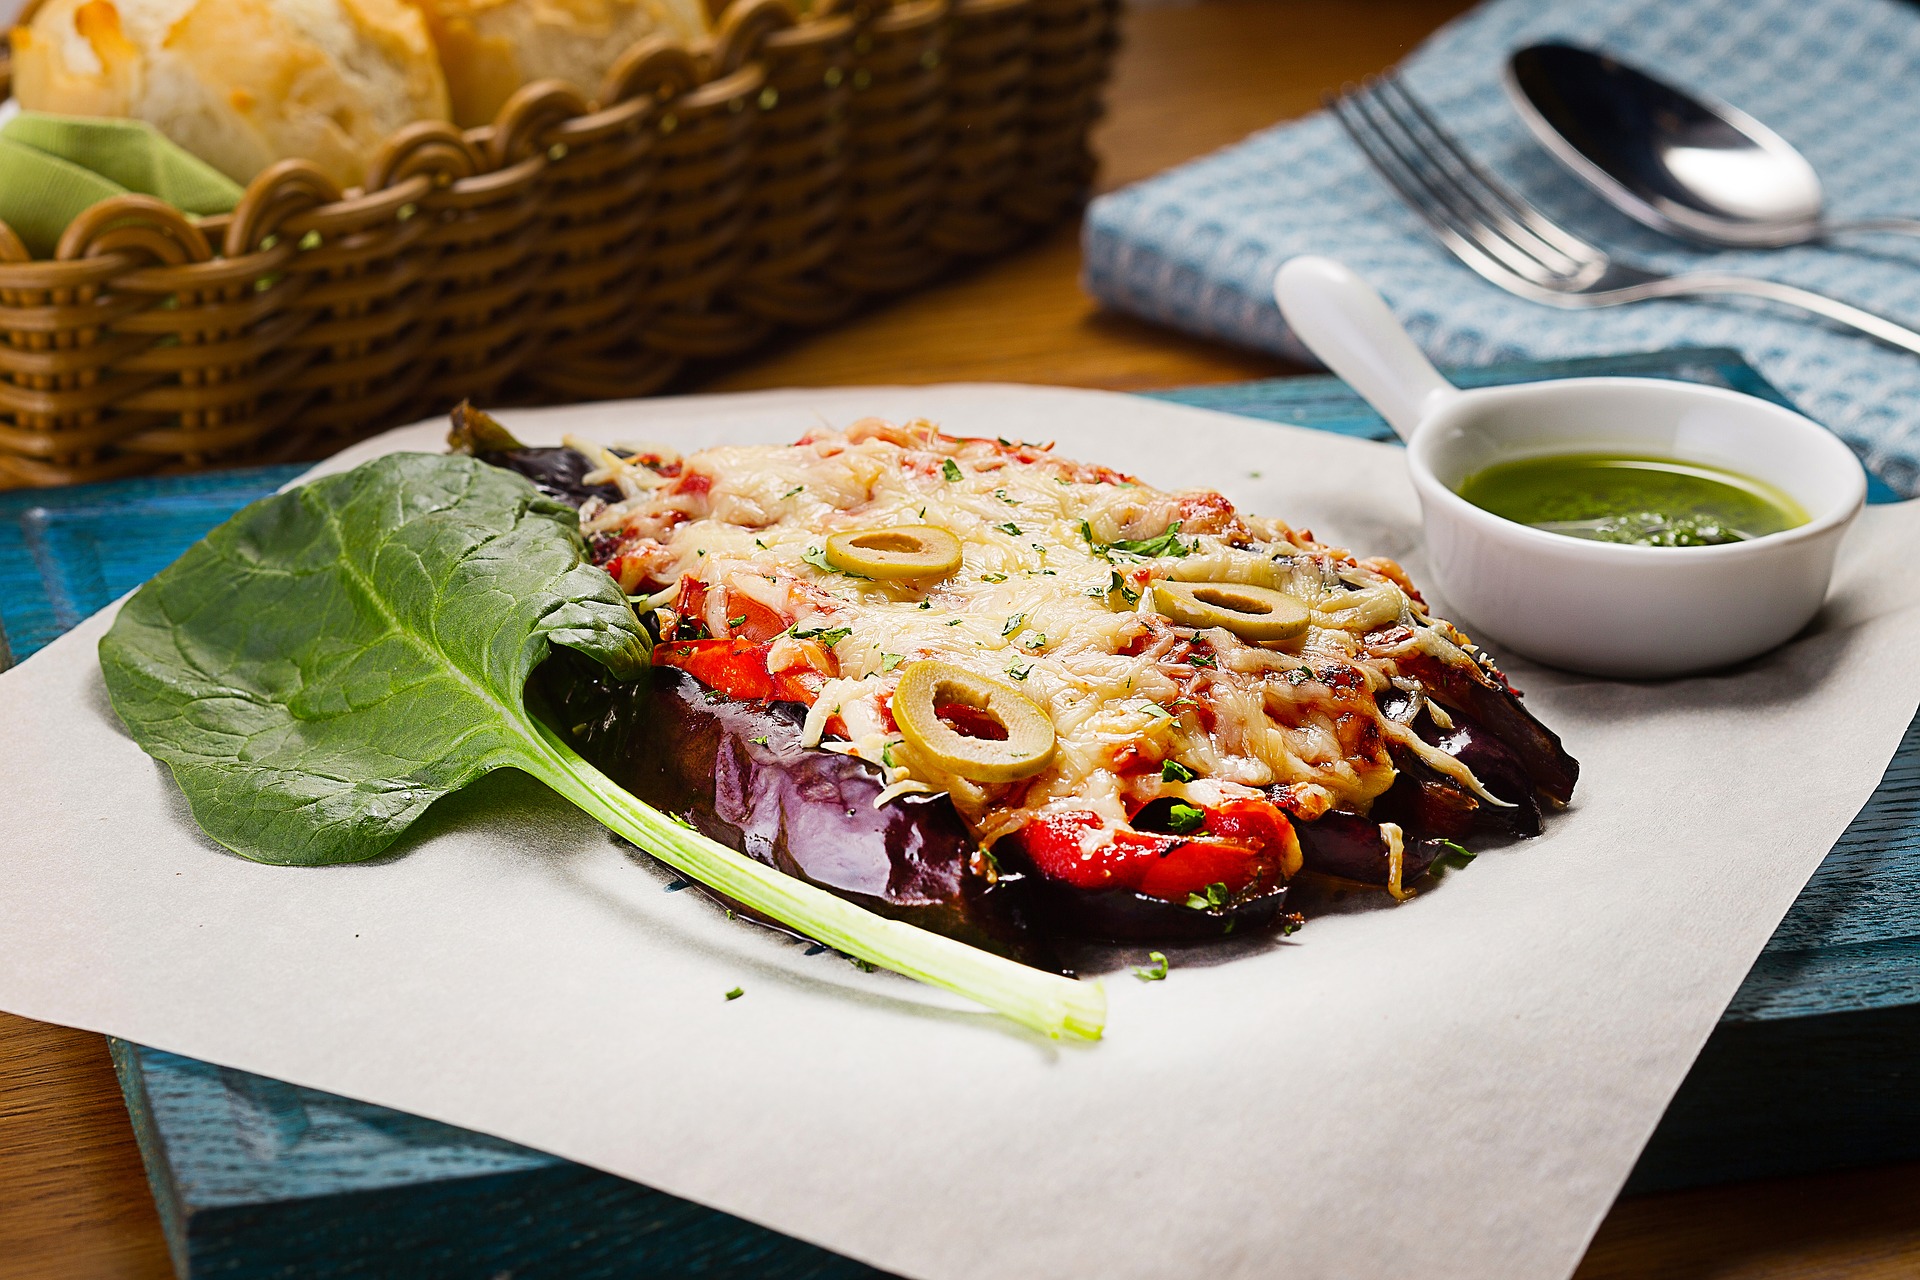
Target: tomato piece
x,y
1205,512
736,668
1260,825
971,721
691,603
751,620
802,685
1171,867
1247,844
1052,842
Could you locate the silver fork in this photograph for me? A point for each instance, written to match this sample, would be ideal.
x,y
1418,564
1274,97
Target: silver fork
x,y
1508,241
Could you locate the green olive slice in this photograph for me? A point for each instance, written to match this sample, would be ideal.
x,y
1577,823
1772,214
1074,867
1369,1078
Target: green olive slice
x,y
927,686
1250,612
895,554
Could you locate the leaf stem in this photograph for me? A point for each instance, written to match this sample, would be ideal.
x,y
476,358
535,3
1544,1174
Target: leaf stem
x,y
1046,1002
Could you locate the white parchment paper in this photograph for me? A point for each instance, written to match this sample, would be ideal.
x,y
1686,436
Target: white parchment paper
x,y
1455,1087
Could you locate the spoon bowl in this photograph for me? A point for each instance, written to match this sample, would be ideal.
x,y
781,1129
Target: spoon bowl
x,y
1682,163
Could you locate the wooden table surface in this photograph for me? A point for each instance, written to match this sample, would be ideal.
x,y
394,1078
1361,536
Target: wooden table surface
x,y
73,1199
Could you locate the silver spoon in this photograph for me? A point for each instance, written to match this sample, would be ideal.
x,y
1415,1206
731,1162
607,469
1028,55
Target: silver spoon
x,y
1684,164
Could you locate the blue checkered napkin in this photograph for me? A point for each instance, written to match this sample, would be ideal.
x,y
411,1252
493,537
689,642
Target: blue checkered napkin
x,y
1197,247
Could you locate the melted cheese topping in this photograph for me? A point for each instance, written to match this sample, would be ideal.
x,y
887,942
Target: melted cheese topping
x,y
1043,599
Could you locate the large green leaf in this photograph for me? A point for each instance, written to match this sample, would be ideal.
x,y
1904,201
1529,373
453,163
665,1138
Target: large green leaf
x,y
331,661
360,645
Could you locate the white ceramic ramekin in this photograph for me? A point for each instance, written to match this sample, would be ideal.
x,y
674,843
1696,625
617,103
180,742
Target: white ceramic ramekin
x,y
1597,607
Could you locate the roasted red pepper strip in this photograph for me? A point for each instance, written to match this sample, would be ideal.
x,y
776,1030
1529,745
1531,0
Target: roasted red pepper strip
x,y
736,668
1248,844
746,617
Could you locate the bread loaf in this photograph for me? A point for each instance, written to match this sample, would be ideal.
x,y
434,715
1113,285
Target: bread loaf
x,y
240,83
489,48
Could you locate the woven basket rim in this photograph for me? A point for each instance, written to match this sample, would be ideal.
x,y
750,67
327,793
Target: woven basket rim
x,y
537,117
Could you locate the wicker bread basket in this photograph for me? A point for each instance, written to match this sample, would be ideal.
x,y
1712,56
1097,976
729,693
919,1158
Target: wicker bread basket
x,y
570,250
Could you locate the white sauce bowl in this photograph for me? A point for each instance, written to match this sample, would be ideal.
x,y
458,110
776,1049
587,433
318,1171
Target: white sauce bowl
x,y
1606,608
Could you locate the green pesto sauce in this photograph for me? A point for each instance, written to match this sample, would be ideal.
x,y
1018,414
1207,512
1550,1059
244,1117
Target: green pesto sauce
x,y
1649,502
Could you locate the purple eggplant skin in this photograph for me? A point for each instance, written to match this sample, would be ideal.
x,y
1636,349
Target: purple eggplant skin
x,y
1487,700
558,473
1500,771
1121,915
1350,847
737,772
1428,806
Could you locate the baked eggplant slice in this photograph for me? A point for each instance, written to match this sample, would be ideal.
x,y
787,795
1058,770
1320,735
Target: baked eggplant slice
x,y
736,772
742,768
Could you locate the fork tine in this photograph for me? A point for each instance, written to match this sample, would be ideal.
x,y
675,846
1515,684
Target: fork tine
x,y
1498,233
1459,225
1494,197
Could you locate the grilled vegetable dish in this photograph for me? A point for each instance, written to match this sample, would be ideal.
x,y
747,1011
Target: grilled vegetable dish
x,y
1018,699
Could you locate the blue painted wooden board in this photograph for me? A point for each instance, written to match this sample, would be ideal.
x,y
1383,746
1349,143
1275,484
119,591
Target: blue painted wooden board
x,y
1812,1066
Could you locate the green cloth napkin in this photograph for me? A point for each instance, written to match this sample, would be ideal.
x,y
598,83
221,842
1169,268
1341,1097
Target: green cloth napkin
x,y
53,167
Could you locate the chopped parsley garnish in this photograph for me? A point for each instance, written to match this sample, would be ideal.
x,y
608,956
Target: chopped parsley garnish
x,y
950,469
1174,771
1002,495
886,754
1214,897
1009,527
1299,675
888,661
1158,970
1020,670
993,577
817,557
759,544
827,636
926,604
1198,659
1013,624
1457,855
953,622
791,492
737,620
1167,544
735,994
1184,819
1034,640
760,741
1119,584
